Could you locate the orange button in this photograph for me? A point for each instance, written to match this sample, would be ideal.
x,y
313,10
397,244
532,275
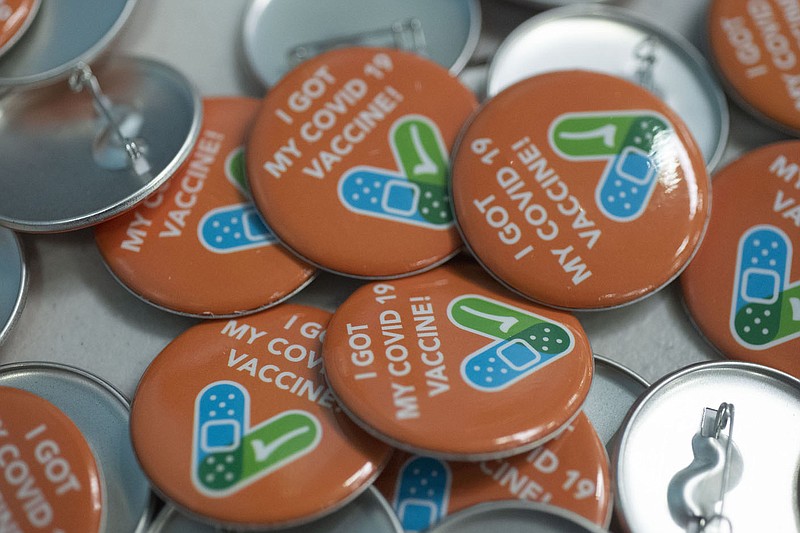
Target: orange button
x,y
756,48
740,289
234,422
49,480
15,18
450,364
198,246
348,161
580,190
570,471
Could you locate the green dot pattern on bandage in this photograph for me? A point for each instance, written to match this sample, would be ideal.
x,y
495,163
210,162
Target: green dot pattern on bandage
x,y
643,132
278,441
434,204
422,158
221,470
759,324
546,338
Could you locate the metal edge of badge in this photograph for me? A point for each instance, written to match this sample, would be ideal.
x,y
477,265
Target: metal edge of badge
x,y
16,311
655,389
37,4
90,219
700,66
208,316
473,457
256,9
169,512
43,368
621,376
456,148
456,521
53,75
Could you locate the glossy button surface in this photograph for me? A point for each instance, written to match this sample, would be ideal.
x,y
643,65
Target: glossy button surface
x,y
348,161
741,290
755,47
198,246
580,190
233,422
449,364
570,471
49,481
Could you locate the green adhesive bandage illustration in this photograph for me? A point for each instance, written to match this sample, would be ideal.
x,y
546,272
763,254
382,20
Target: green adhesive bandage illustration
x,y
765,309
418,194
228,454
235,170
628,140
523,342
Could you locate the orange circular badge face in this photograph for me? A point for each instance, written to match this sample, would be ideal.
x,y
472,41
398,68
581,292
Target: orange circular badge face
x,y
743,288
756,47
234,422
15,18
450,364
580,190
198,246
348,161
570,471
48,477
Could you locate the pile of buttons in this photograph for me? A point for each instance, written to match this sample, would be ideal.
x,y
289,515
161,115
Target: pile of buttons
x,y
368,266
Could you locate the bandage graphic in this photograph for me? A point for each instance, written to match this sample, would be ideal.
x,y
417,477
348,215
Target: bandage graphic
x,y
235,170
233,228
765,309
229,455
523,342
422,493
417,194
628,140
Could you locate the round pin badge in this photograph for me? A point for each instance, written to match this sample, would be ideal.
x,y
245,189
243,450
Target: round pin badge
x,y
754,46
693,452
580,190
615,388
446,31
172,249
16,17
369,513
739,289
49,477
440,364
13,281
48,446
348,161
63,36
619,42
74,156
570,471
233,412
515,517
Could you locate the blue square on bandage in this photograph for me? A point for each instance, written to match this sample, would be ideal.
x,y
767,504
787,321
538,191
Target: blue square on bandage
x,y
400,198
223,435
636,166
418,516
761,286
519,354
